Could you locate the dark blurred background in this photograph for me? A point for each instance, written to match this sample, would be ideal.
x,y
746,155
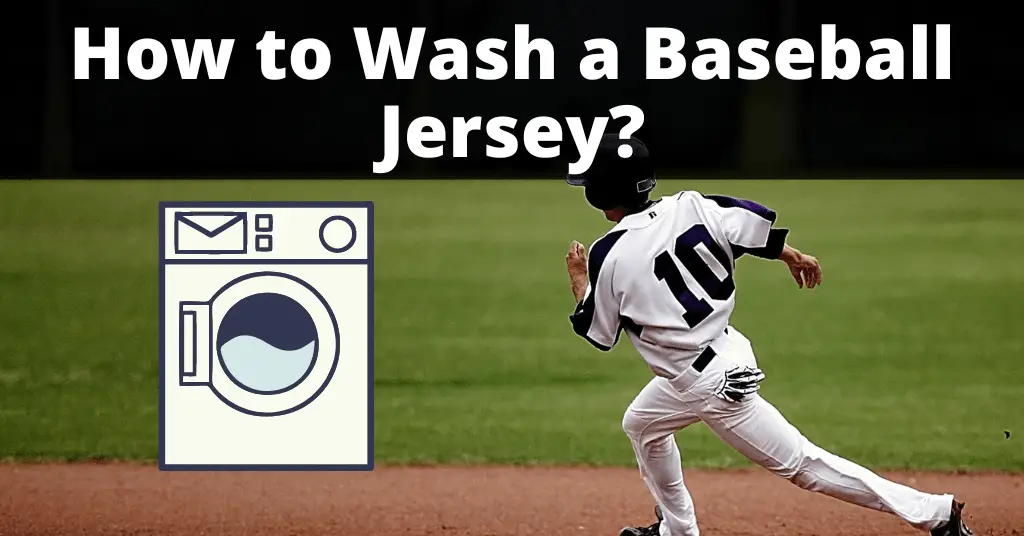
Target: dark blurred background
x,y
246,125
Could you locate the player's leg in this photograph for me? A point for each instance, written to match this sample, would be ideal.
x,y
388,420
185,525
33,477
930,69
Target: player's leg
x,y
758,430
650,422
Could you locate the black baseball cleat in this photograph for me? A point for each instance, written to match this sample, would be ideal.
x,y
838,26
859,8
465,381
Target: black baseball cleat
x,y
955,526
651,530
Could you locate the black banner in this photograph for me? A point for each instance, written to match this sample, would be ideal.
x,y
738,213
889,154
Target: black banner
x,y
246,124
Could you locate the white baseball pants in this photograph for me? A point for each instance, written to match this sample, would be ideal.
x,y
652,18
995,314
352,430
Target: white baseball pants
x,y
758,431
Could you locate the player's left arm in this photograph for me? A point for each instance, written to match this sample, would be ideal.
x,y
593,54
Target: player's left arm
x,y
596,316
805,268
749,228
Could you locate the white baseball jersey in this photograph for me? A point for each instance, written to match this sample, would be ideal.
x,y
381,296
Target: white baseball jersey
x,y
665,275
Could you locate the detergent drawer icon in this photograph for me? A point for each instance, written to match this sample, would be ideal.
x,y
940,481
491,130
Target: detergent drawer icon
x,y
266,336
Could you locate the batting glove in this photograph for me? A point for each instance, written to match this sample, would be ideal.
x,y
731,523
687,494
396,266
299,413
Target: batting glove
x,y
739,382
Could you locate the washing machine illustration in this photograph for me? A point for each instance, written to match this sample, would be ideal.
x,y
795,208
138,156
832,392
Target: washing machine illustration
x,y
266,335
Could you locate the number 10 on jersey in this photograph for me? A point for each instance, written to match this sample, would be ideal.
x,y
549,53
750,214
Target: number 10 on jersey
x,y
685,250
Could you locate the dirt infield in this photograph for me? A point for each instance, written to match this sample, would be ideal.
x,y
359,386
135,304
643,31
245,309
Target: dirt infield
x,y
89,500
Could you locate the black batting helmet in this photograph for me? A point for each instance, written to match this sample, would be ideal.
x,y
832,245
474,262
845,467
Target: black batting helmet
x,y
615,181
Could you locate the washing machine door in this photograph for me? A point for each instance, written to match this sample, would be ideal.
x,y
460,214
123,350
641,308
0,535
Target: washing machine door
x,y
266,344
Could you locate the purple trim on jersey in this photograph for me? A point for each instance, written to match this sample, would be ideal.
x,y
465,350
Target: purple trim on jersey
x,y
598,345
627,324
583,317
725,201
581,308
771,250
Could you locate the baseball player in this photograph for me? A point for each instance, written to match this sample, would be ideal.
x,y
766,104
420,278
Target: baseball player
x,y
664,276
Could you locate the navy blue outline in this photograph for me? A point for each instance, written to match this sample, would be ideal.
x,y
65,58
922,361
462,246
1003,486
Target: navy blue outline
x,y
236,217
327,379
161,225
312,363
270,226
270,243
181,343
369,328
265,261
163,205
195,345
346,247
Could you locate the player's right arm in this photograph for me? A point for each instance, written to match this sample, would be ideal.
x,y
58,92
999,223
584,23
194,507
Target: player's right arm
x,y
596,316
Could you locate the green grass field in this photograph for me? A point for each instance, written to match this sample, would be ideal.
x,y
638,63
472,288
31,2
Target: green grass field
x,y
909,355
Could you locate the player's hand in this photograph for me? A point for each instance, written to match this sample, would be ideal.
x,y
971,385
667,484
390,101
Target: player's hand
x,y
576,259
806,269
739,383
576,263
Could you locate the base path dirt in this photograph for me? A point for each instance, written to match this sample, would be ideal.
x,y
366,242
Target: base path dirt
x,y
110,499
